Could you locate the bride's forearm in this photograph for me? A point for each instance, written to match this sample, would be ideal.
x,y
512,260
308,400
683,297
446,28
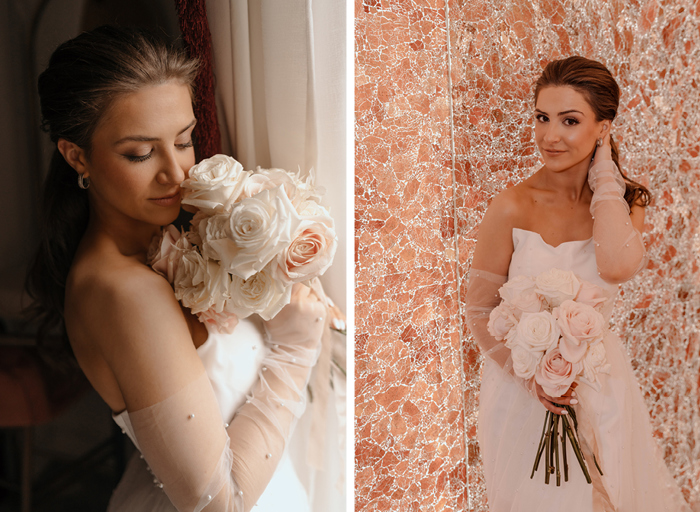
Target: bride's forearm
x,y
619,247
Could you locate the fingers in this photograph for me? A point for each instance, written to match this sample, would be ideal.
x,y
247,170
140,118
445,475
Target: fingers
x,y
551,407
554,403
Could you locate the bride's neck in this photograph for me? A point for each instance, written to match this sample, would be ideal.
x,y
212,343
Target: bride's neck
x,y
571,183
131,239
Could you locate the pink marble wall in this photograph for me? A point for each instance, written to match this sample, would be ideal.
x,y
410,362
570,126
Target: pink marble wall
x,y
408,401
417,90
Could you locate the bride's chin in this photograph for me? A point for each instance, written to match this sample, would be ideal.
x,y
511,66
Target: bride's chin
x,y
169,218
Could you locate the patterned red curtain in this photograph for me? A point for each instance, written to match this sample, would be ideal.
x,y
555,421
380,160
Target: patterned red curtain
x,y
195,33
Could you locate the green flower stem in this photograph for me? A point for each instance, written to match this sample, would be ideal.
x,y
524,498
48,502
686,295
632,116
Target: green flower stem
x,y
563,449
597,466
548,454
549,446
541,446
577,449
556,448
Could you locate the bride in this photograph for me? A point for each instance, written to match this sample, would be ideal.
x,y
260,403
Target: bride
x,y
211,413
577,213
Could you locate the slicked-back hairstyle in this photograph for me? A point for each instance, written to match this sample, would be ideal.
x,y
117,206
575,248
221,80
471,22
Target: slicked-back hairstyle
x,y
595,82
82,80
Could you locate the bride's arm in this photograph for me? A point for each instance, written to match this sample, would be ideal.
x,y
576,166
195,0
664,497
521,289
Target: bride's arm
x,y
201,463
488,273
619,247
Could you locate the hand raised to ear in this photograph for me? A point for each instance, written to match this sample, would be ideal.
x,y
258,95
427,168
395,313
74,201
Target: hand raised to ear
x,y
603,151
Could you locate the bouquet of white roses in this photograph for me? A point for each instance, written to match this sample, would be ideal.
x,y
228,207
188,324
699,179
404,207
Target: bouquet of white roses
x,y
554,328
254,235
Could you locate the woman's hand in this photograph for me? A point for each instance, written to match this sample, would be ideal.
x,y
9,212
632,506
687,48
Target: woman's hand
x,y
301,321
550,402
603,152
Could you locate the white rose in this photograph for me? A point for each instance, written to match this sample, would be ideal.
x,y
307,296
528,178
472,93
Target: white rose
x,y
260,293
580,326
261,227
528,302
502,323
525,361
555,286
514,288
215,235
312,210
214,184
200,284
594,363
537,331
264,179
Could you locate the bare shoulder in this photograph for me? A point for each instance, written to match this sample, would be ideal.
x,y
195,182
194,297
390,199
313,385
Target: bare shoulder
x,y
495,244
128,315
505,210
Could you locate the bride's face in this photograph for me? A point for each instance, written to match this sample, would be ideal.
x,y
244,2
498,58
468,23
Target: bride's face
x,y
566,128
141,152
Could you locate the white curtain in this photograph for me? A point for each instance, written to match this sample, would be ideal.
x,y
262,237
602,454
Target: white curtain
x,y
279,68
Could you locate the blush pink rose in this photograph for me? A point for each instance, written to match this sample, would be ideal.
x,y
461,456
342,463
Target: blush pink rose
x,y
591,295
581,326
555,374
310,253
223,322
165,253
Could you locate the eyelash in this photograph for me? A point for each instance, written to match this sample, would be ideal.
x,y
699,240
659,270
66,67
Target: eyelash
x,y
143,158
569,121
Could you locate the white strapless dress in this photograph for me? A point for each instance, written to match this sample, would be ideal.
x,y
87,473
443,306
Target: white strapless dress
x,y
613,423
232,362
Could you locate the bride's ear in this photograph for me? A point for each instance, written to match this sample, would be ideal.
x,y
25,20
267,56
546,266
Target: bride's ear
x,y
605,128
73,154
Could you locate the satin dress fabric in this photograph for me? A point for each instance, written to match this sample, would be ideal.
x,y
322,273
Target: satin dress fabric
x,y
613,422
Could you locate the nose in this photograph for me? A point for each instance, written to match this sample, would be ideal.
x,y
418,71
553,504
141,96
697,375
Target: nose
x,y
551,133
170,172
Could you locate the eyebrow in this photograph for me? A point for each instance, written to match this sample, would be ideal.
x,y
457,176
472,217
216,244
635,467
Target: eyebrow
x,y
562,113
143,138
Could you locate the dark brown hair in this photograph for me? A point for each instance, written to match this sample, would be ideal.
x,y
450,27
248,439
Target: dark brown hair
x,y
596,83
83,78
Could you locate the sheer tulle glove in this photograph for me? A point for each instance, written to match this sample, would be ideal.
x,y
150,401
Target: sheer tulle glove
x,y
482,299
619,247
203,464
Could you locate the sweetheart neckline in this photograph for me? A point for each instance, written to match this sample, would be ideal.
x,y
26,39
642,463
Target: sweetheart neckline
x,y
550,245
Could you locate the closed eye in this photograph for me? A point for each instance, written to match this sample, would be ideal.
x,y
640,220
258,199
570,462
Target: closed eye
x,y
139,158
185,145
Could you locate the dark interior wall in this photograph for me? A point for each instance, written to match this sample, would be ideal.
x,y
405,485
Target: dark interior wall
x,y
29,32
